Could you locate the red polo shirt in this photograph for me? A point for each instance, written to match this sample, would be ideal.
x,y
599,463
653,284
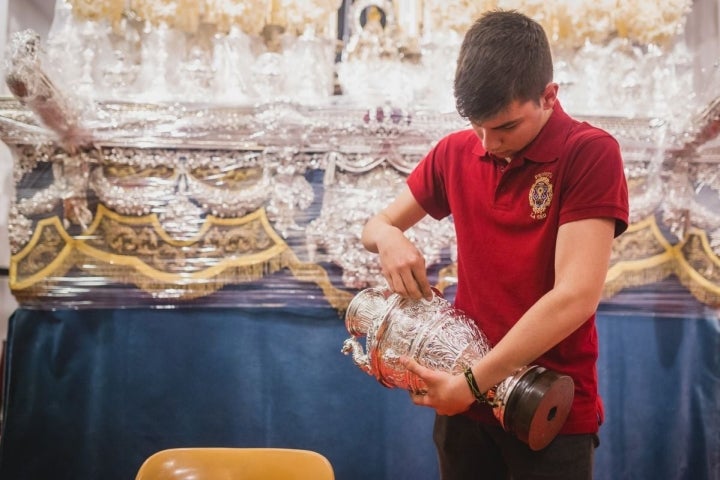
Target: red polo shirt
x,y
506,219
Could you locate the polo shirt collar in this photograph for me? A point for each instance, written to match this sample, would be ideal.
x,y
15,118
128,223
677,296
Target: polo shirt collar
x,y
547,143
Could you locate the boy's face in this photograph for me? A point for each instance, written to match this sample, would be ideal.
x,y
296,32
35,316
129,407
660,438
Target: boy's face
x,y
511,130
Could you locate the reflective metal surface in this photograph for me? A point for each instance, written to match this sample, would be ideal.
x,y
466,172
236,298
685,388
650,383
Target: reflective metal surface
x,y
533,403
103,118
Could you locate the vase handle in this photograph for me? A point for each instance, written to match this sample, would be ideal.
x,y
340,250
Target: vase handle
x,y
352,347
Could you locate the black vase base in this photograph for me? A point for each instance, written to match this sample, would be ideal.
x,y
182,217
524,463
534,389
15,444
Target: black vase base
x,y
538,406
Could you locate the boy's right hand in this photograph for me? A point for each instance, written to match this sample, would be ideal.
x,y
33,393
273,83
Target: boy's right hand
x,y
403,266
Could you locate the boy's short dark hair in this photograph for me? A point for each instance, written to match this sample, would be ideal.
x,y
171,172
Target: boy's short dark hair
x,y
505,56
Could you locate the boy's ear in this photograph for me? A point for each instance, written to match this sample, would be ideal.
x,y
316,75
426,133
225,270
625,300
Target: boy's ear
x,y
549,96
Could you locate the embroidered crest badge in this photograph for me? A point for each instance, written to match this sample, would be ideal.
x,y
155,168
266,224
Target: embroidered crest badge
x,y
541,194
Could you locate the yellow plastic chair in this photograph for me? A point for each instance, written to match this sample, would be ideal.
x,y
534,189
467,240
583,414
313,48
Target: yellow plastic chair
x,y
236,464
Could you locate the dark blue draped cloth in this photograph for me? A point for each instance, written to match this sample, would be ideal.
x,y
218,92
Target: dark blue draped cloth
x,y
89,394
660,382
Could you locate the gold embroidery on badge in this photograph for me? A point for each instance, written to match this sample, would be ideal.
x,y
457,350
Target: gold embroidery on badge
x,y
541,194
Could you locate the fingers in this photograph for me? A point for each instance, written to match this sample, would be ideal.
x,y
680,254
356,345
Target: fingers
x,y
412,366
415,283
418,397
421,284
434,388
410,285
424,391
426,292
418,394
420,386
405,271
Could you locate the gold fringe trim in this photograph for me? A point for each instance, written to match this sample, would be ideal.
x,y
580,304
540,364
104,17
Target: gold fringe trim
x,y
313,273
49,231
39,268
698,268
32,278
630,267
447,277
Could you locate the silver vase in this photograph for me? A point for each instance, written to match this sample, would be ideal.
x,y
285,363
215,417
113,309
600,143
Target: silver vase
x,y
533,403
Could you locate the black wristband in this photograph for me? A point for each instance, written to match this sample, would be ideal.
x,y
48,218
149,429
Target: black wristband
x,y
480,397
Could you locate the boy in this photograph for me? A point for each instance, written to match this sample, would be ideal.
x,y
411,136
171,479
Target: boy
x,y
536,198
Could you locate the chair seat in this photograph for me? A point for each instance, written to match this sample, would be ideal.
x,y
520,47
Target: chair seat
x,y
236,464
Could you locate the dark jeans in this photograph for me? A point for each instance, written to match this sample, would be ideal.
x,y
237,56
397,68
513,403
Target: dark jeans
x,y
468,450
